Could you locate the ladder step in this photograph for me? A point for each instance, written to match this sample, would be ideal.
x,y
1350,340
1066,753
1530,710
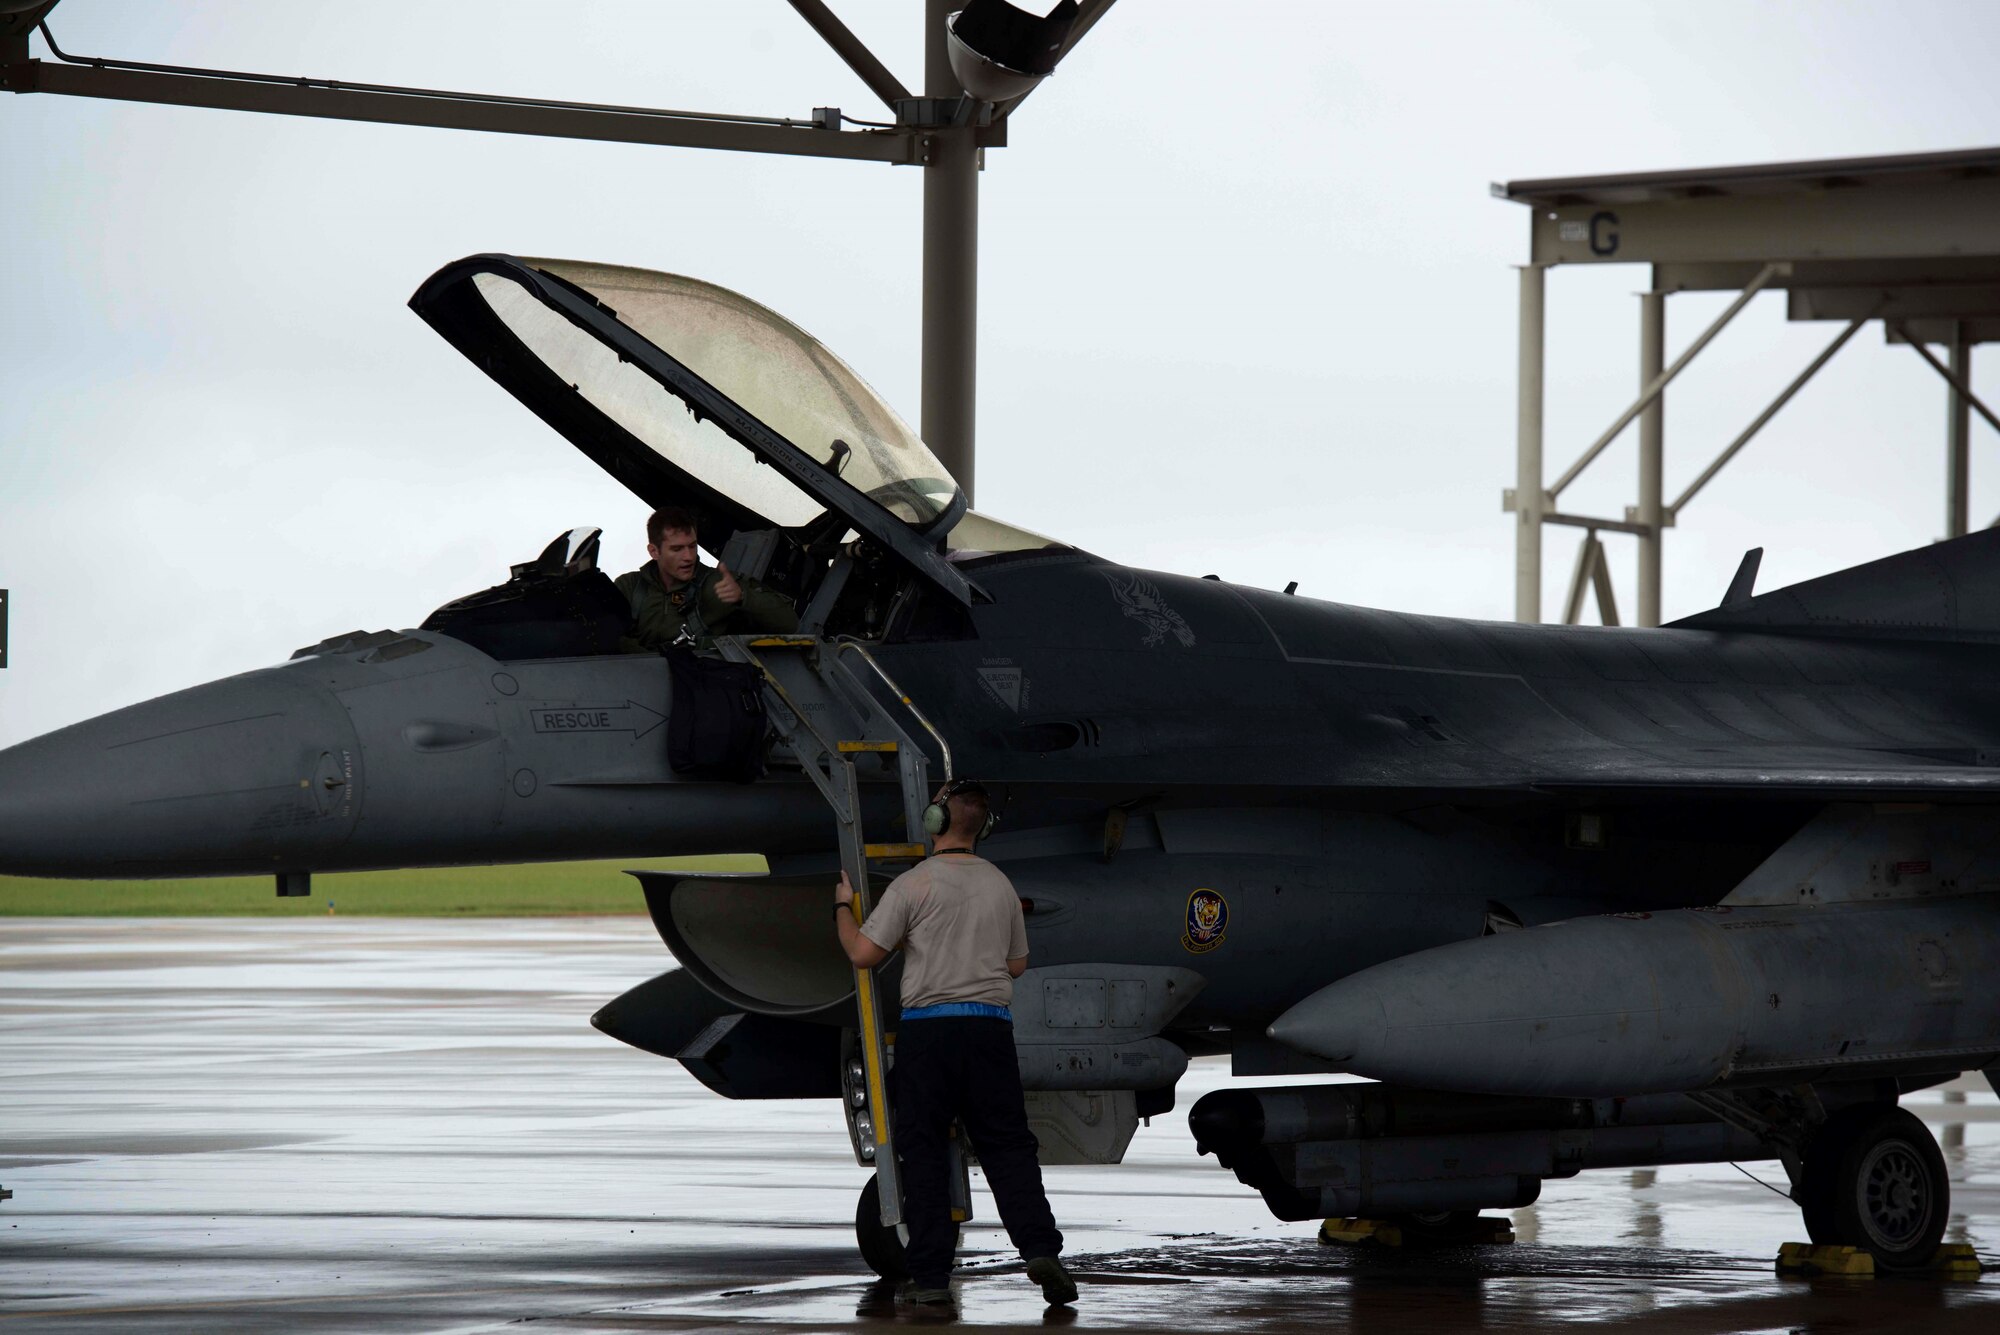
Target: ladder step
x,y
851,747
783,642
891,852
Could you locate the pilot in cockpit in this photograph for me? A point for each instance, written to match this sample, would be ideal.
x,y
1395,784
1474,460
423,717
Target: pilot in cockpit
x,y
676,600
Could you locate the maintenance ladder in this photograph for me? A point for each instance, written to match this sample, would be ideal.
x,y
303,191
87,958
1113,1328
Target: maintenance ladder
x,y
826,716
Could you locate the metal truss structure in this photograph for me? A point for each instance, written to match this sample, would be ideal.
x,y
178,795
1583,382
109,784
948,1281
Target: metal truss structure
x,y
946,132
1909,240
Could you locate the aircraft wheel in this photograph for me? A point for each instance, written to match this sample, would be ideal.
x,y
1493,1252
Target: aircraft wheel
x,y
1440,1227
1875,1179
881,1247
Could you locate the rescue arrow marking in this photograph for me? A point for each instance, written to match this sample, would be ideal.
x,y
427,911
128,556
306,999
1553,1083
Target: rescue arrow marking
x,y
631,717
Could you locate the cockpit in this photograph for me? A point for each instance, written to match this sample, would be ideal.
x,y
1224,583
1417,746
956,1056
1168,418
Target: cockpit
x,y
695,397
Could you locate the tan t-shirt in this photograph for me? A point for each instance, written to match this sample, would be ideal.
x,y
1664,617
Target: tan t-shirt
x,y
958,920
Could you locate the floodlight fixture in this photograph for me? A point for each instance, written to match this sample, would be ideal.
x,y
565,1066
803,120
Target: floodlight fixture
x,y
999,52
18,18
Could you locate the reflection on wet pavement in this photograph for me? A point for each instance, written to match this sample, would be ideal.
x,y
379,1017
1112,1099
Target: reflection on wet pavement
x,y
408,1125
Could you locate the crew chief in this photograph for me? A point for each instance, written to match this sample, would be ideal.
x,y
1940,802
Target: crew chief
x,y
958,922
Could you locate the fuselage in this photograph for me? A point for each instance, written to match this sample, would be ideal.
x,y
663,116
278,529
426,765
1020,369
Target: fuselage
x,y
1077,687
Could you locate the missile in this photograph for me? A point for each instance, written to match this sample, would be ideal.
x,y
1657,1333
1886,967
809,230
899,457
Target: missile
x,y
1347,1149
1645,1003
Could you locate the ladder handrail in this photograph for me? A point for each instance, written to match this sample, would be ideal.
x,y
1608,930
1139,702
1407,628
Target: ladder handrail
x,y
839,783
836,796
944,747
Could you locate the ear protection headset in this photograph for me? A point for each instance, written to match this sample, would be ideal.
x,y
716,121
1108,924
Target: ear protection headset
x,y
937,816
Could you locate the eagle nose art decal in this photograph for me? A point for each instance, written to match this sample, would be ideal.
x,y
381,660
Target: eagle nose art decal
x,y
1141,600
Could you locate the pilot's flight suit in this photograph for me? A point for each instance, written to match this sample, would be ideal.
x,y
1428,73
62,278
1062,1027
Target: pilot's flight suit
x,y
659,616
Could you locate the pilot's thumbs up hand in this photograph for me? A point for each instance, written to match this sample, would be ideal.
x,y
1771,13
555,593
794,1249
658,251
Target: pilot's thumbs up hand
x,y
844,892
726,587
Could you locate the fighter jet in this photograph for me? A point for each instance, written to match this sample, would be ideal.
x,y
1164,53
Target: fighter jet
x,y
1567,897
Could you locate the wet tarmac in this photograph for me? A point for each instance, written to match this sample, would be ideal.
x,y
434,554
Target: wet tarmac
x,y
408,1125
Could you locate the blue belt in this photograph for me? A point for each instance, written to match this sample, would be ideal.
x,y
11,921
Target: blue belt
x,y
944,1009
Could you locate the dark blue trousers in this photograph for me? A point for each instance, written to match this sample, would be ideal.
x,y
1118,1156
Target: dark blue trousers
x,y
964,1068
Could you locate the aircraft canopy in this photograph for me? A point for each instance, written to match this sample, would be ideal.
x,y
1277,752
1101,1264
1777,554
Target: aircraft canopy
x,y
694,395
769,366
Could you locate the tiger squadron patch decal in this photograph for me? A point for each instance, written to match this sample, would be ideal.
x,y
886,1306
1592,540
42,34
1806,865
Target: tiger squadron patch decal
x,y
1207,922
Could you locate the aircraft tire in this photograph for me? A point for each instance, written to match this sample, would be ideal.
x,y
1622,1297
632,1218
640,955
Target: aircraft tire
x,y
1875,1179
881,1248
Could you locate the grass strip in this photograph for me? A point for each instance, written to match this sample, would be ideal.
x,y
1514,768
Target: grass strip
x,y
535,889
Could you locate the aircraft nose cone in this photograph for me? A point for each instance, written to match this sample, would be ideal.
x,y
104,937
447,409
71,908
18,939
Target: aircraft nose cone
x,y
251,773
1343,1023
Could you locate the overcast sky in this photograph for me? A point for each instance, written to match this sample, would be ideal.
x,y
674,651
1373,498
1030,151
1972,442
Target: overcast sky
x,y
1246,305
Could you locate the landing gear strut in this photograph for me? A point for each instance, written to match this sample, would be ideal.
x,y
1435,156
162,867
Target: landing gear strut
x,y
1874,1178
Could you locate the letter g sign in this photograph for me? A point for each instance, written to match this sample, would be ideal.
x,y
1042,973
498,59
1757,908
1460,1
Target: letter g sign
x,y
1604,233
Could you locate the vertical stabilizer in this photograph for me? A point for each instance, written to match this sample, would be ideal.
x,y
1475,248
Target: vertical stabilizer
x,y
1744,587
1946,591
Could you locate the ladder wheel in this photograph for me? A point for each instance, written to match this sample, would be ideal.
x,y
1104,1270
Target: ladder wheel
x,y
881,1247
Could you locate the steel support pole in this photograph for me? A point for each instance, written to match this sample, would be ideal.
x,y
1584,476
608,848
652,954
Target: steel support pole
x,y
1528,451
1958,466
951,266
1652,427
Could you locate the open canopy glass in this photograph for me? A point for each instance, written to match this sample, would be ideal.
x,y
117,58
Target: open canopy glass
x,y
773,369
694,395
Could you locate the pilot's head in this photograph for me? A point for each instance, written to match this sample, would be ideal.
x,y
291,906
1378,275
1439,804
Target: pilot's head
x,y
670,542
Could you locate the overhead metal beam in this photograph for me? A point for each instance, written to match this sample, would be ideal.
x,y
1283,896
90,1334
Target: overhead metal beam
x,y
1666,377
1969,332
1631,526
1903,171
1950,301
1911,273
1913,220
851,49
438,109
1770,411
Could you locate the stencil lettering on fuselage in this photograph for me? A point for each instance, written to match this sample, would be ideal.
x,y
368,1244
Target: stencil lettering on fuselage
x,y
631,717
1006,683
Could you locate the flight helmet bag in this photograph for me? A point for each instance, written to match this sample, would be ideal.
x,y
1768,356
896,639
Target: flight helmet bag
x,y
716,723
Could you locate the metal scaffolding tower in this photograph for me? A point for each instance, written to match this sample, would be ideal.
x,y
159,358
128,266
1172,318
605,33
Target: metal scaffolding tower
x,y
1909,240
